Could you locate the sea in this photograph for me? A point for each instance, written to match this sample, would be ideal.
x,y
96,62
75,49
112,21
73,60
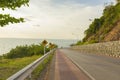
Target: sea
x,y
6,44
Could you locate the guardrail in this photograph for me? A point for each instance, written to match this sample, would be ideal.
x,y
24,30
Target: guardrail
x,y
26,72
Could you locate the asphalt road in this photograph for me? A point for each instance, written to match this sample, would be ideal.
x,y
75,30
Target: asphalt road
x,y
98,67
62,68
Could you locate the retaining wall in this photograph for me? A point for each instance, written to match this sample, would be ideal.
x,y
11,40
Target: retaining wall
x,y
107,48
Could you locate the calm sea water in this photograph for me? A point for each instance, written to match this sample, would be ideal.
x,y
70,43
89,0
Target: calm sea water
x,y
6,44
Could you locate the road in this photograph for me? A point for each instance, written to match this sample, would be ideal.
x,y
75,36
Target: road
x,y
98,67
62,68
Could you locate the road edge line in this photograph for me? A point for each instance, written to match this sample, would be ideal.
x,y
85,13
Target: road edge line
x,y
81,68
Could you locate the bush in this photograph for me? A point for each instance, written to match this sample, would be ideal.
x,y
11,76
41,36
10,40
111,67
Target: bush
x,y
23,51
26,51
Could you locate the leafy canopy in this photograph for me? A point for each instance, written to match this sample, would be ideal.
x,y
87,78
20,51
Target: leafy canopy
x,y
5,19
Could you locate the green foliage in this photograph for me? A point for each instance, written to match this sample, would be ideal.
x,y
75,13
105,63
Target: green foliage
x,y
79,43
5,19
85,43
36,73
10,66
92,41
12,4
1,57
71,45
23,51
103,25
94,27
21,56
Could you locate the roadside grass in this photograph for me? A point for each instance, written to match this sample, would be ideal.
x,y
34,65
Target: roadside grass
x,y
10,66
36,74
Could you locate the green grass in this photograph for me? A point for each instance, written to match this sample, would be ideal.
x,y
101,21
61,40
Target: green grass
x,y
10,66
36,73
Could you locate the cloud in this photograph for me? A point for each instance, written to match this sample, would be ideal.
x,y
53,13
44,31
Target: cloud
x,y
56,19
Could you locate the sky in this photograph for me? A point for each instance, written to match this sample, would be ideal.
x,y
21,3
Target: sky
x,y
54,19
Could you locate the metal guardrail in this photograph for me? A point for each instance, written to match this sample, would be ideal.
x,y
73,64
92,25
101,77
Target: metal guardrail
x,y
26,72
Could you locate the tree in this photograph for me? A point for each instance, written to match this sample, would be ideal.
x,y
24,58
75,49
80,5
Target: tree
x,y
118,1
5,19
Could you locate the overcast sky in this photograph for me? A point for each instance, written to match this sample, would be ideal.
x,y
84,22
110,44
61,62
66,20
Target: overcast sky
x,y
54,19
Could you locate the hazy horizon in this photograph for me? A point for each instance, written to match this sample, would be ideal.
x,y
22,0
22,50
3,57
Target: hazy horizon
x,y
6,44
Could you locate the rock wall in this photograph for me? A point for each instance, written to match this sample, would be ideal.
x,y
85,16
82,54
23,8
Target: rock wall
x,y
107,48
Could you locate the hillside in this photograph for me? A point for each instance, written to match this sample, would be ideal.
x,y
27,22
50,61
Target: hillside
x,y
114,34
105,28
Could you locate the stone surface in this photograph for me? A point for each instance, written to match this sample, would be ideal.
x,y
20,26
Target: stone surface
x,y
107,48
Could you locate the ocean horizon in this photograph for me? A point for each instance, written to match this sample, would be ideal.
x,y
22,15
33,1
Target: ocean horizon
x,y
6,44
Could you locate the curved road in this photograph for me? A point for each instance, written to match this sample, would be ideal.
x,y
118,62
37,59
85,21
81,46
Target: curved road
x,y
99,67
